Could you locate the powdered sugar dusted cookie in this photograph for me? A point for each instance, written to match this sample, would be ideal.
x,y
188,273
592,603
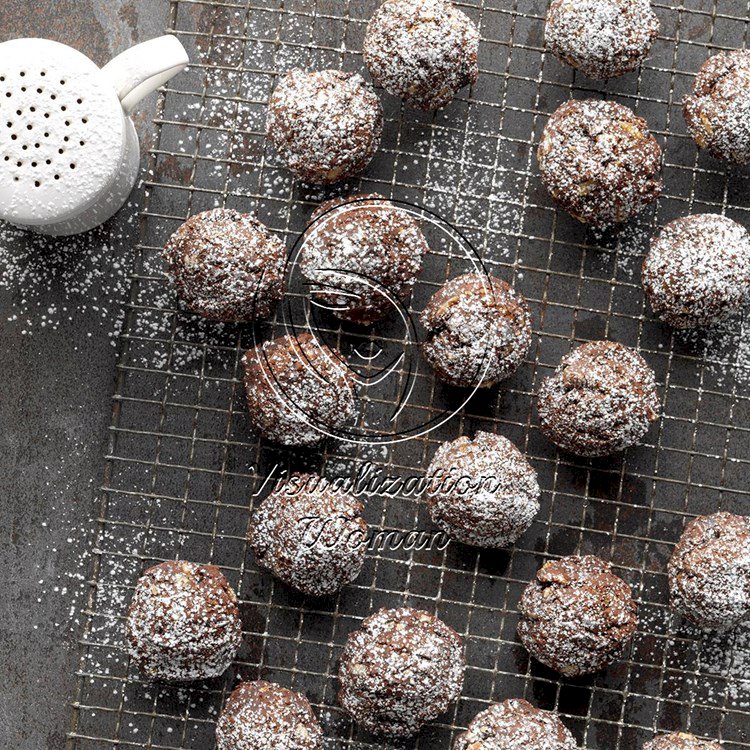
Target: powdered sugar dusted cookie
x,y
262,715
600,400
401,669
310,535
364,253
709,571
601,38
717,112
478,330
298,390
226,265
697,271
183,623
482,491
515,725
680,741
325,125
422,51
577,617
599,161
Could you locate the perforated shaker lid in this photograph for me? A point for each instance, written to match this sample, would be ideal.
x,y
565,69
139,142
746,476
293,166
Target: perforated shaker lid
x,y
61,132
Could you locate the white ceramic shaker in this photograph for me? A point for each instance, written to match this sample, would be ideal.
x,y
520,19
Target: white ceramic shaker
x,y
69,153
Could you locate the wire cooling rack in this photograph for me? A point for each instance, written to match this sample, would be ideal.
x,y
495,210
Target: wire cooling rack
x,y
183,465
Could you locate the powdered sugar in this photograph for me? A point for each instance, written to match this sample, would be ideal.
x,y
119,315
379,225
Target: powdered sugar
x,y
54,281
454,177
727,655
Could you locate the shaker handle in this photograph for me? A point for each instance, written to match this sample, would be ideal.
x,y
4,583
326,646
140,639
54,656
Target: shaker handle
x,y
140,70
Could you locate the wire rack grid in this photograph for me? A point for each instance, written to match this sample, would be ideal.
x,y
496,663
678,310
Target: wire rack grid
x,y
183,466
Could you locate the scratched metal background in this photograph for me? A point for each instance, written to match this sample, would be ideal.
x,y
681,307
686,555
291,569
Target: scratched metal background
x,y
182,462
53,431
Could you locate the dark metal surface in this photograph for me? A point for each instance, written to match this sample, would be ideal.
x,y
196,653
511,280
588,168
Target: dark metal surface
x,y
59,305
183,463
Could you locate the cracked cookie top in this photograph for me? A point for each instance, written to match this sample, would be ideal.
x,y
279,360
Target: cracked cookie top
x,y
515,725
324,124
709,571
482,491
697,271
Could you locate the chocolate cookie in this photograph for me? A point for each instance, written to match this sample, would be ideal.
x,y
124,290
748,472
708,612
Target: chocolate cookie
x,y
601,38
325,124
401,669
298,390
482,491
226,265
263,715
310,535
478,331
183,623
515,725
599,161
600,400
360,251
698,270
680,741
577,617
422,51
709,571
717,113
